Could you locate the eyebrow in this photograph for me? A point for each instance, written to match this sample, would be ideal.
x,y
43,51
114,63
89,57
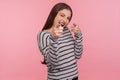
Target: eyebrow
x,y
64,14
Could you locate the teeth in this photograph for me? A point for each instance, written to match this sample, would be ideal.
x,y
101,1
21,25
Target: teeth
x,y
62,23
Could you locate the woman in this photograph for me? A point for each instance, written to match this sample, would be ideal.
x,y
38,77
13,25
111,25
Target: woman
x,y
59,48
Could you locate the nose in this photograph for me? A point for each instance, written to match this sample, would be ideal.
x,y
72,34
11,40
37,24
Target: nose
x,y
65,20
62,21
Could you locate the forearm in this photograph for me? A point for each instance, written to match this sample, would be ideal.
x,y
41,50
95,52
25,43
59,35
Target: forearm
x,y
78,45
48,47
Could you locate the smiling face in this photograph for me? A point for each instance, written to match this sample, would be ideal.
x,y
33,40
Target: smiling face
x,y
62,18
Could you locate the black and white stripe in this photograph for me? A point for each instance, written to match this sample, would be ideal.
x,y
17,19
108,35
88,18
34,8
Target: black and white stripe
x,y
61,54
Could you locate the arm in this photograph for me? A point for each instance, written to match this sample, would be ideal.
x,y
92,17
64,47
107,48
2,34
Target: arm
x,y
48,46
78,47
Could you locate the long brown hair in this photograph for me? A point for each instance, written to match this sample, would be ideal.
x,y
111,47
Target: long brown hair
x,y
52,15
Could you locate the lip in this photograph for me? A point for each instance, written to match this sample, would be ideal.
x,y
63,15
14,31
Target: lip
x,y
62,23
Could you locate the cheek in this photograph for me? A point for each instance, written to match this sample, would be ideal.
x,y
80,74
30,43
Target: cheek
x,y
55,20
67,22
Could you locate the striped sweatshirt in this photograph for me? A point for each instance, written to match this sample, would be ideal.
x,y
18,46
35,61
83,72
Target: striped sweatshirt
x,y
61,54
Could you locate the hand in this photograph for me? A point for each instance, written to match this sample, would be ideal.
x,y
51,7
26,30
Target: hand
x,y
75,29
57,30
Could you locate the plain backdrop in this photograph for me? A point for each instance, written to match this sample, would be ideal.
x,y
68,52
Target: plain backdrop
x,y
21,20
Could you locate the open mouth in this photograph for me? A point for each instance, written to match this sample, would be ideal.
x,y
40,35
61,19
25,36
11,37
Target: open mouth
x,y
62,23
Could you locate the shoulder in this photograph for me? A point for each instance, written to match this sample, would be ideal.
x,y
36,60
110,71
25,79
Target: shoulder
x,y
43,33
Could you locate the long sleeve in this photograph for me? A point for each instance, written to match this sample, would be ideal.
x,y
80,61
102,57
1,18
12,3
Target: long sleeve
x,y
48,46
78,47
60,54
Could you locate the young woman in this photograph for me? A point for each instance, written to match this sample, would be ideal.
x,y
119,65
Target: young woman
x,y
59,48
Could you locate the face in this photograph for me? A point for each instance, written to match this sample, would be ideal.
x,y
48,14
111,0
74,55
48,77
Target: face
x,y
62,18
